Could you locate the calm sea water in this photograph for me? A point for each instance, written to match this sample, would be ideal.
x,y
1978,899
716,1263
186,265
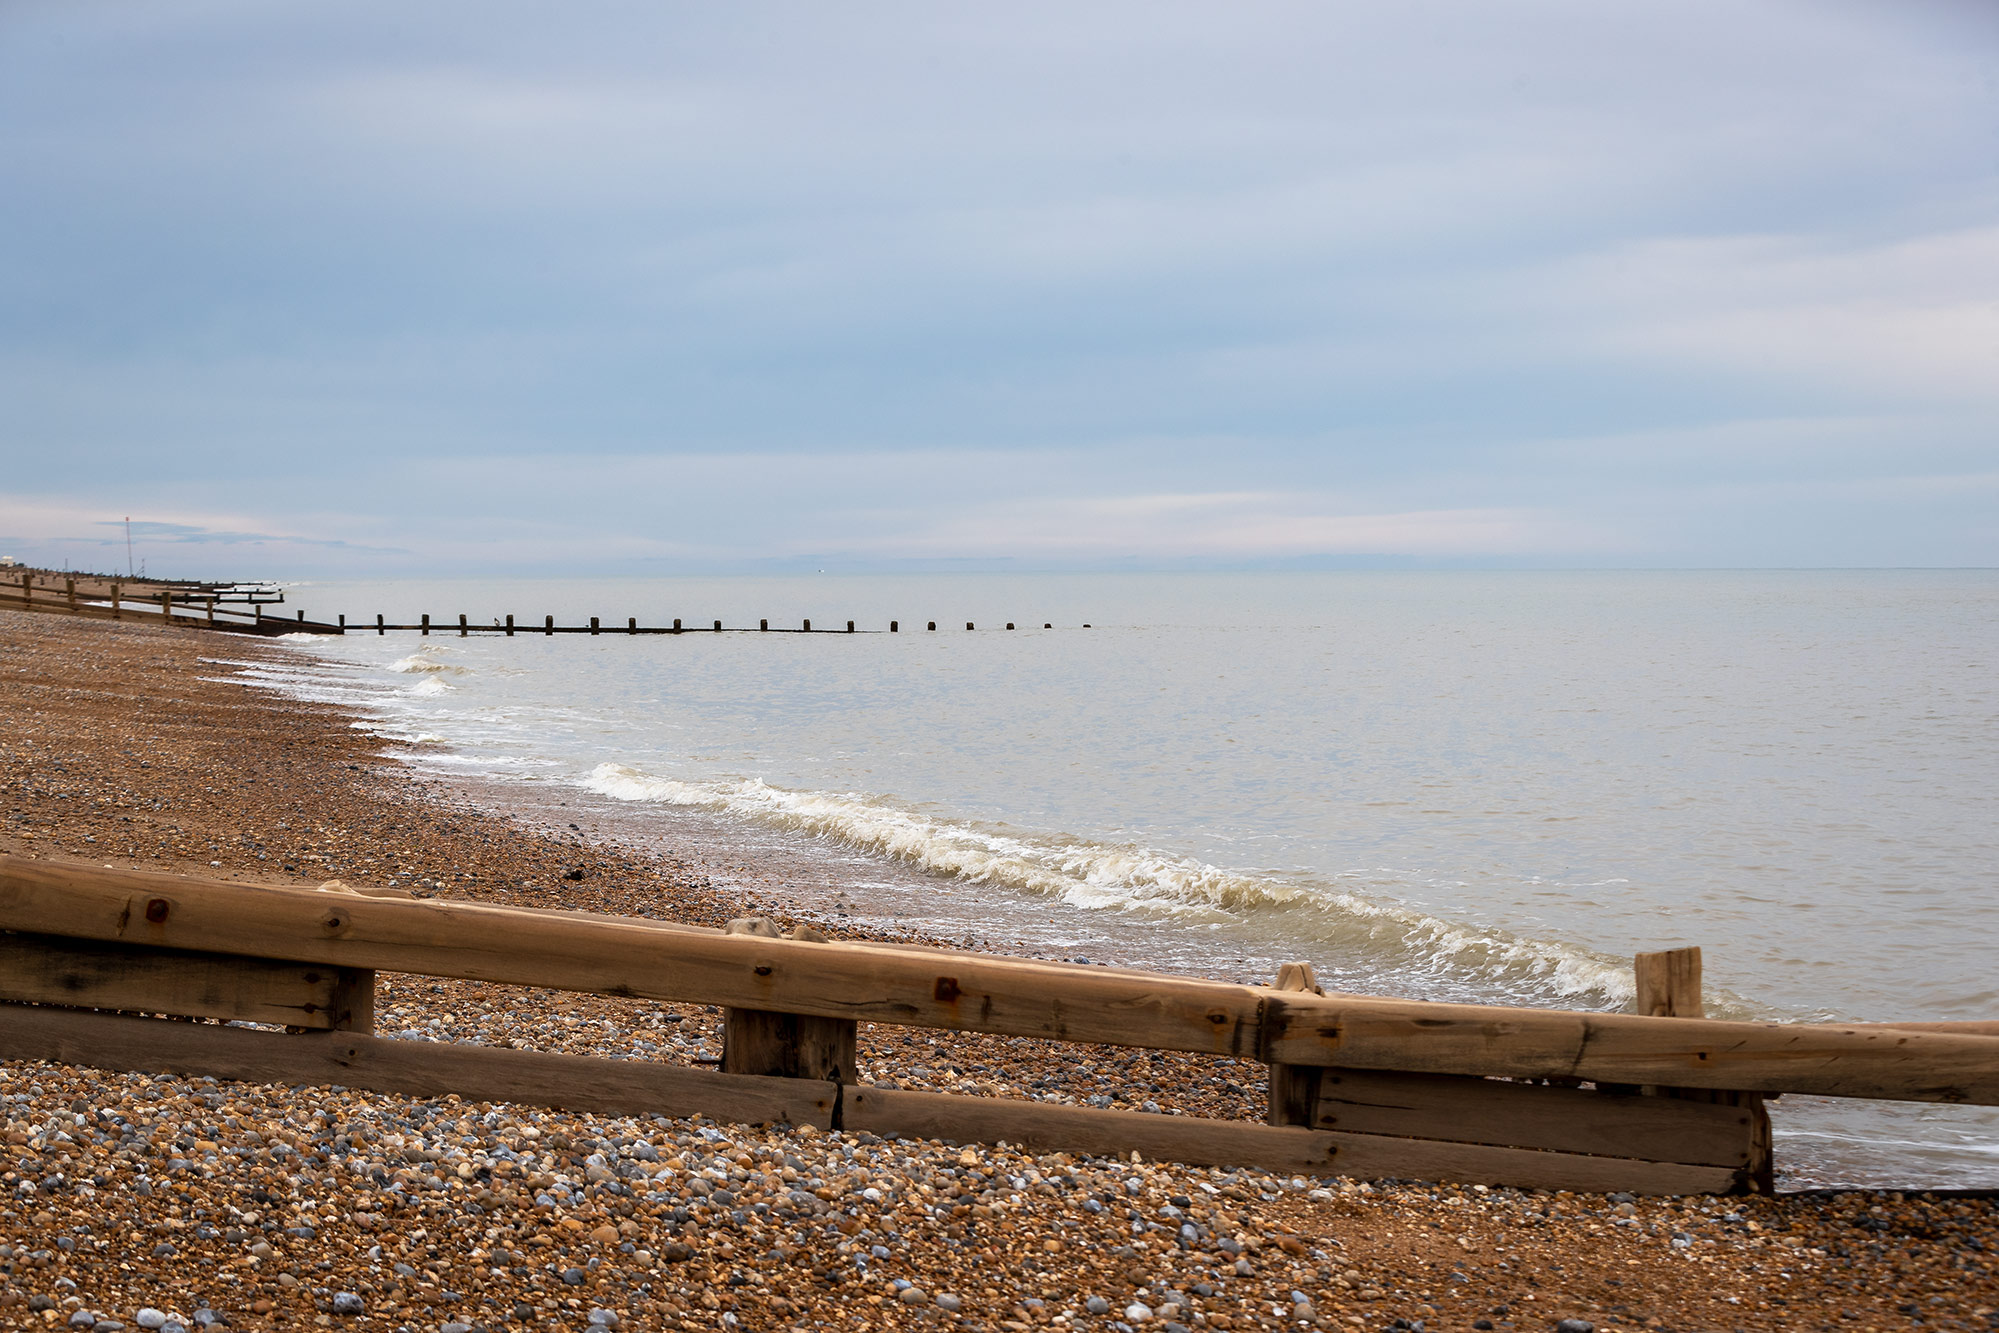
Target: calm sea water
x,y
1490,786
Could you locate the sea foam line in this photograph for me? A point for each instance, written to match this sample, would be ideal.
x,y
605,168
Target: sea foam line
x,y
1098,876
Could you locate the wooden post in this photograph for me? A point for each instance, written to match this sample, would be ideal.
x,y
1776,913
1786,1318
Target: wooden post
x,y
379,628
114,603
1009,624
510,625
757,1041
343,622
808,627
1669,983
547,626
933,624
968,624
850,627
894,627
69,591
763,624
166,608
631,624
301,617
1669,986
461,624
354,1000
676,624
426,624
593,624
1294,1089
211,611
718,627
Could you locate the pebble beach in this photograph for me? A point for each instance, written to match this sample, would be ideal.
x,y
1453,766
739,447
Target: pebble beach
x,y
150,1201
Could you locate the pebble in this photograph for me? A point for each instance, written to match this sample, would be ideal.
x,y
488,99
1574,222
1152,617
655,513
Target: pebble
x,y
348,1302
148,1317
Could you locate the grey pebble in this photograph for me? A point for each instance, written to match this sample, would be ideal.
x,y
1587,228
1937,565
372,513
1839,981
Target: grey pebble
x,y
949,1303
1097,1305
347,1302
148,1317
1575,1326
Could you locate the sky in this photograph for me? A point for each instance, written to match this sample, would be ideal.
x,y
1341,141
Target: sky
x,y
370,289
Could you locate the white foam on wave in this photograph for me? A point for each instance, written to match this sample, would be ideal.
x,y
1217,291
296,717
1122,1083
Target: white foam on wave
x,y
425,660
431,685
1100,876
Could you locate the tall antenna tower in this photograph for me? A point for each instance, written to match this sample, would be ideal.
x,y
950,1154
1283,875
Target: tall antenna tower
x,y
129,570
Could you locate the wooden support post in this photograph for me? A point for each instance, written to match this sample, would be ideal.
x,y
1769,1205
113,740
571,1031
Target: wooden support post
x,y
379,628
461,624
894,627
426,624
808,627
166,608
209,607
763,624
343,622
1669,986
1009,624
757,1041
631,624
968,624
718,627
353,1008
69,591
850,627
593,624
301,617
115,615
676,625
510,625
933,625
1294,1089
547,626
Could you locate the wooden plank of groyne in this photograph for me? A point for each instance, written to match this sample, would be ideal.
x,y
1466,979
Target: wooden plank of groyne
x,y
1281,1148
411,1068
983,993
1458,1109
46,969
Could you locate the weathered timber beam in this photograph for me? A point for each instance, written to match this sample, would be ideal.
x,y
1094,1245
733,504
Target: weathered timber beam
x,y
49,969
983,993
411,1068
1281,1148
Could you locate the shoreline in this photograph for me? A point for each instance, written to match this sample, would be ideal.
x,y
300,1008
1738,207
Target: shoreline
x,y
125,747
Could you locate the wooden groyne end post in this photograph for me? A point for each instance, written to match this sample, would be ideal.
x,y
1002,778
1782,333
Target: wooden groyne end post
x,y
426,624
1669,986
510,625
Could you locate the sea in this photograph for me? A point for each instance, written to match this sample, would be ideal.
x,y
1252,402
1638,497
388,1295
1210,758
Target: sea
x,y
1476,786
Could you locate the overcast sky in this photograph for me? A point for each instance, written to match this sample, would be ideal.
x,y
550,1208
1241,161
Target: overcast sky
x,y
372,288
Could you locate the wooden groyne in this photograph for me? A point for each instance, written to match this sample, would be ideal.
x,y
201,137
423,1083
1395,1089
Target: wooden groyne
x,y
1662,1101
244,608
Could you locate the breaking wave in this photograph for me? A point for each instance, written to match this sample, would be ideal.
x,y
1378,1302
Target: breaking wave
x,y
1374,932
425,660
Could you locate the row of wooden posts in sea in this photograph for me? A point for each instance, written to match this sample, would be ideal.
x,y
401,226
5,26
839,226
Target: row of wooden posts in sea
x,y
241,609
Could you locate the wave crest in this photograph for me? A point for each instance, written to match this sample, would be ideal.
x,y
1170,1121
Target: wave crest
x,y
1098,876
